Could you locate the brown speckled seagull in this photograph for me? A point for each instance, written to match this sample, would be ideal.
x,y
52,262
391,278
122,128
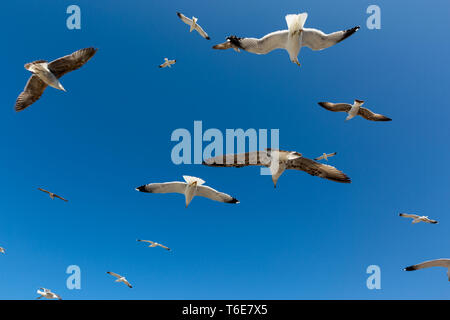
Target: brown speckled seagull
x,y
354,110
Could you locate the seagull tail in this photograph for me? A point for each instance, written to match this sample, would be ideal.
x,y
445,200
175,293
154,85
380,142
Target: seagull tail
x,y
296,22
191,180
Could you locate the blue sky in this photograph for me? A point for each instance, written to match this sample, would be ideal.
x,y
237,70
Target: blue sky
x,y
308,239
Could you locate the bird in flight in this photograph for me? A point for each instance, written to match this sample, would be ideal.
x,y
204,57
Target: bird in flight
x,y
445,263
191,188
48,73
278,161
291,40
2,250
46,293
167,63
193,25
154,244
52,195
416,218
326,156
354,110
120,279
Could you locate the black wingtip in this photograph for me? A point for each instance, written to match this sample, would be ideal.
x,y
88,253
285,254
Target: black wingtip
x,y
322,104
349,32
208,38
234,200
179,15
410,268
141,189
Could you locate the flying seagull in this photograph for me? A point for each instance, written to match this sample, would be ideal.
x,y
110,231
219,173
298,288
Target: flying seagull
x,y
193,25
353,110
432,263
292,40
52,195
120,278
46,293
154,244
416,218
191,188
326,156
47,74
2,250
278,161
167,63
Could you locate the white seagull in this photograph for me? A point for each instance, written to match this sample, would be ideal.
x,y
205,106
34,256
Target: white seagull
x,y
48,74
278,161
292,40
416,218
2,250
326,156
191,188
120,278
445,263
167,63
193,25
46,293
52,195
354,110
154,244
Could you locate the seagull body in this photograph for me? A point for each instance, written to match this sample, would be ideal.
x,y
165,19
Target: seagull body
x,y
445,263
48,73
46,293
326,156
354,110
192,23
167,63
191,188
52,195
278,161
416,218
154,244
2,250
292,40
120,279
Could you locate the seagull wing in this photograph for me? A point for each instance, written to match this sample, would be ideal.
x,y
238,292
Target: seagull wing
x,y
184,18
127,283
336,107
43,190
407,215
71,62
148,241
210,193
318,169
162,246
33,91
428,264
318,40
114,274
166,187
202,32
266,44
255,158
319,158
59,197
431,221
332,154
369,115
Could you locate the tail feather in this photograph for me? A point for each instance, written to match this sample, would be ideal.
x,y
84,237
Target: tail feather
x,y
191,180
296,22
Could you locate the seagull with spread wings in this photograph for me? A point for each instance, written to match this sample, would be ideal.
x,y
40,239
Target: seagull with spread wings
x,y
354,110
193,25
191,188
278,161
325,156
48,73
52,195
416,218
46,293
154,244
120,278
167,63
445,263
291,40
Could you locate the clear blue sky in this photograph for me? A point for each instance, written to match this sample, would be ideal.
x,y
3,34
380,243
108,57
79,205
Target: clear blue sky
x,y
308,239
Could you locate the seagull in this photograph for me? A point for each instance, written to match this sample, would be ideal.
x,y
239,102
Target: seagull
x,y
154,244
416,218
193,24
353,110
325,156
46,293
191,188
2,250
432,263
278,161
47,74
167,63
52,195
292,40
120,278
